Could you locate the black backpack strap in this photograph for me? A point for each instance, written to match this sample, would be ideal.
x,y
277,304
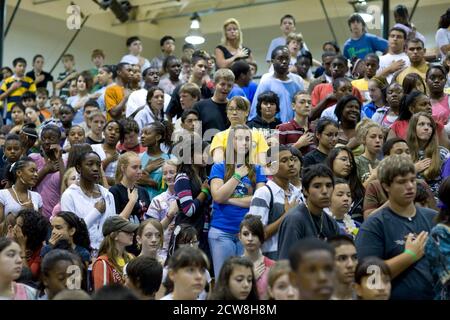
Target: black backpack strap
x,y
271,217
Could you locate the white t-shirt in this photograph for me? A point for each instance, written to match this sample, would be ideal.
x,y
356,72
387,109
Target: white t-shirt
x,y
129,58
388,58
10,205
138,99
442,39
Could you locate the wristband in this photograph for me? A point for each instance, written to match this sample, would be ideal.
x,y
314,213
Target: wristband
x,y
237,177
412,254
205,191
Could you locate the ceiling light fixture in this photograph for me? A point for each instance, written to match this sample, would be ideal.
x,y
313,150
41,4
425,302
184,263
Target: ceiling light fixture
x,y
360,7
194,35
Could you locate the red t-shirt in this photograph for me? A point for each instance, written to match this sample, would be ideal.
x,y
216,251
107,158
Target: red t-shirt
x,y
290,132
400,128
321,91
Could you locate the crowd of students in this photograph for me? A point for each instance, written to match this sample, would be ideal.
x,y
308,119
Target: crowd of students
x,y
184,179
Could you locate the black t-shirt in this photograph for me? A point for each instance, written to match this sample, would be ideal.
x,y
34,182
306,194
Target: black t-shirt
x,y
299,224
227,54
212,115
174,108
383,235
92,141
259,123
314,157
43,84
120,194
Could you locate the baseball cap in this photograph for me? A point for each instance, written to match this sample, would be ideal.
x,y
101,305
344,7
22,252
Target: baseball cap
x,y
117,223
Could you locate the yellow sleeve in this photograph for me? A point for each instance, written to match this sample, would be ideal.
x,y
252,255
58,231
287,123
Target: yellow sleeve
x,y
219,141
261,143
4,87
32,87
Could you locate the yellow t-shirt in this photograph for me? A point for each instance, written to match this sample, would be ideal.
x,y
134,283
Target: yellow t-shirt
x,y
259,144
420,70
27,84
363,86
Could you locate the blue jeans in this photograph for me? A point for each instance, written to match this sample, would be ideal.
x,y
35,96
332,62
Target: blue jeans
x,y
223,245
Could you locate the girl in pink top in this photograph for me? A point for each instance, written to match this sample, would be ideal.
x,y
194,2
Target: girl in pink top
x,y
251,235
12,259
436,78
411,104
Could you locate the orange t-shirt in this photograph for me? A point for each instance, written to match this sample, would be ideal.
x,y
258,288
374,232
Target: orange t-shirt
x,y
46,113
113,95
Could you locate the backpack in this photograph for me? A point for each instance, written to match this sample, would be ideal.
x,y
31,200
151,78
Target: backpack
x,y
272,217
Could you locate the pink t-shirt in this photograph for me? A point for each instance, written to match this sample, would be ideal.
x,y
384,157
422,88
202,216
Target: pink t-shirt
x,y
263,281
49,188
441,110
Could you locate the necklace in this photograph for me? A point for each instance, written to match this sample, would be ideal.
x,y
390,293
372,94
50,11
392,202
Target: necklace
x,y
17,196
318,228
90,194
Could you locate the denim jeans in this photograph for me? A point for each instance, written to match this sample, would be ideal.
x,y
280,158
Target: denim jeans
x,y
223,245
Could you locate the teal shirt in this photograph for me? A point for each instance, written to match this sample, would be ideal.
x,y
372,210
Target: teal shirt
x,y
155,175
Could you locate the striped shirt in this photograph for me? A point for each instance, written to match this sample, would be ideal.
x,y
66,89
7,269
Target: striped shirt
x,y
260,206
16,95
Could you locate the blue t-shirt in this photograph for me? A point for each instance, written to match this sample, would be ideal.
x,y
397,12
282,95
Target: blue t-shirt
x,y
368,43
237,91
227,217
285,91
369,109
383,235
155,175
250,90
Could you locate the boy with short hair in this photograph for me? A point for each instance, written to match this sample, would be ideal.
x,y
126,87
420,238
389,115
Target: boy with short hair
x,y
242,76
98,59
116,95
64,78
298,132
55,104
309,219
14,87
345,261
130,139
188,50
313,269
167,44
89,107
284,83
199,66
28,99
41,101
287,26
134,45
273,201
398,233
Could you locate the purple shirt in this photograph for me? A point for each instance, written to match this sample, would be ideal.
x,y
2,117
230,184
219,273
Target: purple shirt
x,y
49,188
